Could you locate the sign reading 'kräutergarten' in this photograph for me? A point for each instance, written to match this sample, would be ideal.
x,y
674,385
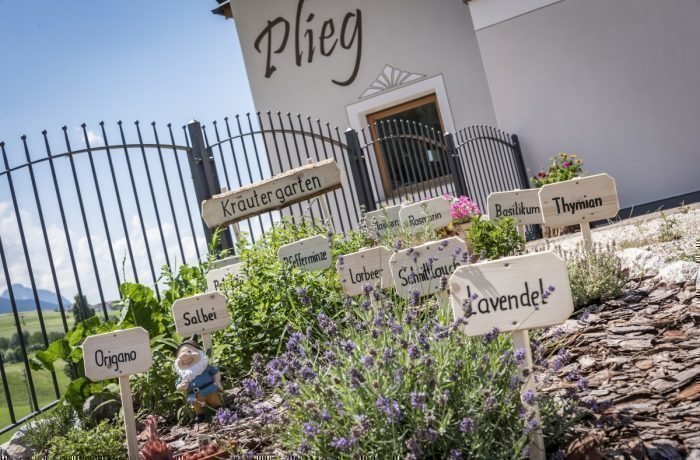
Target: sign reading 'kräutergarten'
x,y
278,192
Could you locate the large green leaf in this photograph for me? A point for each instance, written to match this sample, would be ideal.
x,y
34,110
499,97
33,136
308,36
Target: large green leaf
x,y
58,349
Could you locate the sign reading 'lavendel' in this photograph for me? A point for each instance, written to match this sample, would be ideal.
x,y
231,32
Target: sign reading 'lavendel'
x,y
276,193
583,199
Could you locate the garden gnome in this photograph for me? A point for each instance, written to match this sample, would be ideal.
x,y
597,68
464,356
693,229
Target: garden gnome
x,y
200,381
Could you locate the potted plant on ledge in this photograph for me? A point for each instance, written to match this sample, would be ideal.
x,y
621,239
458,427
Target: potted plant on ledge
x,y
463,211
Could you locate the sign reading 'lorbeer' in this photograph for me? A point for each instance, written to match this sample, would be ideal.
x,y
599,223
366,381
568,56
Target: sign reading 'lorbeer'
x,y
521,205
117,354
584,199
280,191
200,314
366,267
513,293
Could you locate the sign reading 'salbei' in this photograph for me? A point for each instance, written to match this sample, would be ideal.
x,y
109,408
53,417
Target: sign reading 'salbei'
x,y
521,205
584,199
117,354
309,254
201,314
422,269
513,293
366,267
433,213
278,192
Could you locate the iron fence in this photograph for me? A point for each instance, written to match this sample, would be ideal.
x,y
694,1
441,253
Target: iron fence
x,y
86,219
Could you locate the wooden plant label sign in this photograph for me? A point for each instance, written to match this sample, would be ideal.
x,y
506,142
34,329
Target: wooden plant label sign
x,y
513,293
583,199
385,220
422,268
216,277
278,192
369,266
309,254
221,263
521,205
435,213
117,354
201,314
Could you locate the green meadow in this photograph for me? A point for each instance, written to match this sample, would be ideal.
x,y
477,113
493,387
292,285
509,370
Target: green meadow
x,y
30,322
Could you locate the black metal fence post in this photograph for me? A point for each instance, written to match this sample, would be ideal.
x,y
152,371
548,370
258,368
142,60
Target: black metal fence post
x,y
360,174
455,166
521,162
204,176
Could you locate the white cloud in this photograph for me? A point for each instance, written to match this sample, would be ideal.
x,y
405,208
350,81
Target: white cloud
x,y
93,137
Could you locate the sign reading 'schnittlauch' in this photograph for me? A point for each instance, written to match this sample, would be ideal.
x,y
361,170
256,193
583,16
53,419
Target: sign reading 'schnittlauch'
x,y
584,199
278,192
309,254
119,354
385,220
521,205
366,267
425,269
514,294
433,213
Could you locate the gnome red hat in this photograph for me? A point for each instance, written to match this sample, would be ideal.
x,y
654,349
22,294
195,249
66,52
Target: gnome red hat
x,y
192,341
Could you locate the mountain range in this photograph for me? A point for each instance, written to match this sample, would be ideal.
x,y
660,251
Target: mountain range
x,y
24,298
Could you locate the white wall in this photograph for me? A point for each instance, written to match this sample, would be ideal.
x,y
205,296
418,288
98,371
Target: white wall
x,y
616,82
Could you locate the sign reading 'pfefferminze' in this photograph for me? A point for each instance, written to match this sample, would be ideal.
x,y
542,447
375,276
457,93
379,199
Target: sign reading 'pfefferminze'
x,y
309,254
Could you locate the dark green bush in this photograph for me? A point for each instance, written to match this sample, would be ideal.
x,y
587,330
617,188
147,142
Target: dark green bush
x,y
103,441
493,239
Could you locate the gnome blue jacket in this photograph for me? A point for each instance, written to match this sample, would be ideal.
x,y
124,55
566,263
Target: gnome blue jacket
x,y
203,385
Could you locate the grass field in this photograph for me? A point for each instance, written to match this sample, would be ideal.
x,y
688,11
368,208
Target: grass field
x,y
19,392
30,322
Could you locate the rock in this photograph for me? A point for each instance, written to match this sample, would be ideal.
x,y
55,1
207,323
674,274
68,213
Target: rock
x,y
640,262
101,406
587,447
18,447
664,449
678,272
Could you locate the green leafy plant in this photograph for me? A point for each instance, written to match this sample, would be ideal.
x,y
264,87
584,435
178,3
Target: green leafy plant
x,y
493,239
595,276
50,425
103,441
669,229
563,167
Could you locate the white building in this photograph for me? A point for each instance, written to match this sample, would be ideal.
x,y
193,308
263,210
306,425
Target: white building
x,y
615,82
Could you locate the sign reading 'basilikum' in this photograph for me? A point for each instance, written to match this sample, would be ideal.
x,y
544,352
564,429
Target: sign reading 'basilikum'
x,y
283,190
521,205
584,199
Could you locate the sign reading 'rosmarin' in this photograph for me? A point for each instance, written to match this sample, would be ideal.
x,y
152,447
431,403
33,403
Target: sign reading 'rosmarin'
x,y
521,205
584,199
277,192
433,213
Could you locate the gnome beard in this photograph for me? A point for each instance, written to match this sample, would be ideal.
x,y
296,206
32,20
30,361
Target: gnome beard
x,y
192,370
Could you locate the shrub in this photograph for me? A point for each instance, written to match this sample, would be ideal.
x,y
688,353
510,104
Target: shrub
x,y
103,441
493,239
55,423
595,276
563,167
393,380
669,231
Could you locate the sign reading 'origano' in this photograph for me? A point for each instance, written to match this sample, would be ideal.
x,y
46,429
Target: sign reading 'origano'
x,y
117,354
280,191
584,199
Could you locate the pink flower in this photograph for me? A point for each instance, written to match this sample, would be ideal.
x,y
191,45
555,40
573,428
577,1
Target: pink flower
x,y
566,164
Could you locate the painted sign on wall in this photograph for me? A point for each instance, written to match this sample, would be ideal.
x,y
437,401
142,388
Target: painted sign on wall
x,y
369,266
309,254
521,205
200,314
513,293
306,34
584,199
434,213
422,269
278,192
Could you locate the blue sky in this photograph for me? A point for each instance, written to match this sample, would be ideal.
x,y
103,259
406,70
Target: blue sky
x,y
73,61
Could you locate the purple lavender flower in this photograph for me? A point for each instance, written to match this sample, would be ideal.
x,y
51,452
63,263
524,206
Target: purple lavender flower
x,y
310,429
293,389
413,447
490,403
356,377
225,417
307,373
456,454
560,360
390,408
467,425
431,261
341,261
294,343
414,297
398,244
515,382
443,283
413,352
418,400
367,289
529,397
387,354
362,423
491,335
348,346
366,305
443,398
428,435
330,357
326,324
251,388
398,375
325,416
367,361
342,443
531,426
520,356
581,384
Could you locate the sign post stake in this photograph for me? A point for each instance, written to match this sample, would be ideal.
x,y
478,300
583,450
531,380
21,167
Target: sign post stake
x,y
586,234
323,203
129,419
521,232
521,339
206,340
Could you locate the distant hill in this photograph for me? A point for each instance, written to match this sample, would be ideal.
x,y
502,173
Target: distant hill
x,y
24,297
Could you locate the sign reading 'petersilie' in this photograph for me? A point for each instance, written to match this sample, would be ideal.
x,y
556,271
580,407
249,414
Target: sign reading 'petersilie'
x,y
583,199
200,314
309,254
422,268
513,293
433,213
278,192
385,220
521,205
215,278
117,354
366,267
